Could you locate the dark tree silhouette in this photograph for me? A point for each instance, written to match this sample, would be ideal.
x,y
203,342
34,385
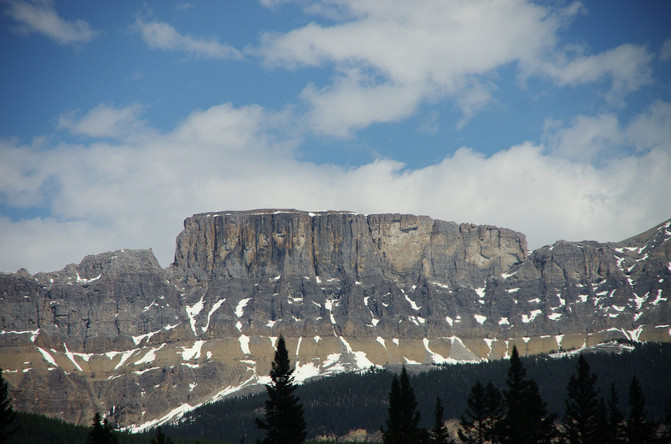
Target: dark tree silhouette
x,y
284,422
615,419
583,414
403,420
439,434
484,411
100,432
526,419
639,430
160,437
8,423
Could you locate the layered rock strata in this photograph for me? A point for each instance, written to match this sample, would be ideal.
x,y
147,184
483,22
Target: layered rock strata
x,y
119,334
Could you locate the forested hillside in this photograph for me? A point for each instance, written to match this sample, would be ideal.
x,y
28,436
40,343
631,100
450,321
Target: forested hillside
x,y
338,404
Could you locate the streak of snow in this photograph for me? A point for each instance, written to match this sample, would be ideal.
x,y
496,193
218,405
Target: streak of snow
x,y
554,316
305,371
298,345
214,308
380,339
70,356
531,316
149,356
87,281
507,275
149,306
439,284
47,357
449,320
436,358
244,344
513,290
34,333
239,310
362,361
193,311
412,303
193,352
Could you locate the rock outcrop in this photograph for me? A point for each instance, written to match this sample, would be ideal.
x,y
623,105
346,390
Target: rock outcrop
x,y
119,334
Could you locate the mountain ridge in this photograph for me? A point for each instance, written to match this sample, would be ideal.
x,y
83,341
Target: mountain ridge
x,y
118,333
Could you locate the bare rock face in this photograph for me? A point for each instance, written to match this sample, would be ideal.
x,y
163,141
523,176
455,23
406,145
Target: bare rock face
x,y
118,334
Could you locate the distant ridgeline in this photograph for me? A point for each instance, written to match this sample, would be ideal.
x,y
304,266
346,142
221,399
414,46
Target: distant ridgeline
x,y
121,335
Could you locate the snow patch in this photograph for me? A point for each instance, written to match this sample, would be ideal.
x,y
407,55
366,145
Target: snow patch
x,y
531,316
244,344
71,357
193,352
480,319
214,308
239,310
47,357
504,321
192,312
413,304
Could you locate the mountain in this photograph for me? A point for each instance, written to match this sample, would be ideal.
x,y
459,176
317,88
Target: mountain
x,y
119,334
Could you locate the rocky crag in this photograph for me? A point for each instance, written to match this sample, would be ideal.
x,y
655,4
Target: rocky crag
x,y
119,334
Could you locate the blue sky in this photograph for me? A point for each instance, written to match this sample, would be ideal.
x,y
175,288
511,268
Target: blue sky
x,y
120,119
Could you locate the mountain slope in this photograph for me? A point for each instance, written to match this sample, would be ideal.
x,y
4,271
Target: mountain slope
x,y
117,333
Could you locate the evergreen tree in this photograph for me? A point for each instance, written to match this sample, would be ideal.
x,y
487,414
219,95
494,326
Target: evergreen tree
x,y
526,418
615,420
581,420
639,430
101,432
403,421
484,411
439,434
8,423
284,422
160,437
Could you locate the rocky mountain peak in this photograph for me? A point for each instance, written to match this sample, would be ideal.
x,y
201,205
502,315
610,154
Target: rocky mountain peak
x,y
117,333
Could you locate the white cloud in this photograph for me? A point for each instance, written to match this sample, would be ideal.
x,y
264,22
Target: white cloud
x,y
665,51
587,137
39,16
104,121
627,66
160,35
392,55
135,194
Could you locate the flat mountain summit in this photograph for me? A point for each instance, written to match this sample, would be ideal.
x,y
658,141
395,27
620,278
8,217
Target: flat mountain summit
x,y
119,334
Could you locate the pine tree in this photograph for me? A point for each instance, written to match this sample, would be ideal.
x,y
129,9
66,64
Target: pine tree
x,y
639,430
101,432
160,437
403,421
284,422
615,420
439,434
484,410
526,419
581,420
8,423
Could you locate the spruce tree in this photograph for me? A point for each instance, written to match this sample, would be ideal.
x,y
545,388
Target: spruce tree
x,y
403,421
284,422
160,437
639,430
615,419
439,434
581,420
526,419
484,410
101,432
8,424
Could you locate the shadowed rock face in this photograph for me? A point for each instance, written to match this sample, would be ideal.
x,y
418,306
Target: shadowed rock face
x,y
118,334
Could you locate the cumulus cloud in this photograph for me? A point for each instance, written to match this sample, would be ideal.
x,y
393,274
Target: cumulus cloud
x,y
135,193
104,121
160,35
627,66
39,16
390,56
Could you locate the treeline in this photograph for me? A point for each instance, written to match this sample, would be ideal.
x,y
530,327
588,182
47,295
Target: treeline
x,y
517,414
340,403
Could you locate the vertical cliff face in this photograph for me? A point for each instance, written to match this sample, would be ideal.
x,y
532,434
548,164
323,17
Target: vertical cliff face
x,y
117,333
402,248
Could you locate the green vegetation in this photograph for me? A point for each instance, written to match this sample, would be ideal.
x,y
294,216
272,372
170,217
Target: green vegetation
x,y
283,422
